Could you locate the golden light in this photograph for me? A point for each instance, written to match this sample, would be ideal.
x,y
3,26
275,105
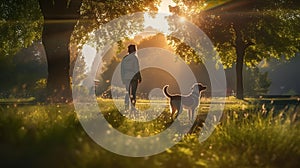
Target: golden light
x,y
89,54
182,19
164,6
88,50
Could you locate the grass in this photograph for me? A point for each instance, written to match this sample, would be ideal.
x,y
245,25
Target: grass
x,y
17,100
248,136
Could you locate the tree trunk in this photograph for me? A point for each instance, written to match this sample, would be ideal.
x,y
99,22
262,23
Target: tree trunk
x,y
240,54
59,21
239,74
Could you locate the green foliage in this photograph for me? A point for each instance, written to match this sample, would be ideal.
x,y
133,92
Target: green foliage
x,y
20,74
270,28
80,71
94,14
255,82
187,53
20,25
106,75
39,90
246,32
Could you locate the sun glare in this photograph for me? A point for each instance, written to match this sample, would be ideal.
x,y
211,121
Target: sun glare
x,y
159,22
164,6
89,54
182,19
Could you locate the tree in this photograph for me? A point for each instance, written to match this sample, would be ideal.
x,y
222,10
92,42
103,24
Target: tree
x,y
106,76
256,82
246,31
20,25
19,29
60,18
21,21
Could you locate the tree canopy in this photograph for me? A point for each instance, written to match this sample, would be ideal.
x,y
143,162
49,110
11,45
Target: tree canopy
x,y
246,32
20,25
54,20
95,13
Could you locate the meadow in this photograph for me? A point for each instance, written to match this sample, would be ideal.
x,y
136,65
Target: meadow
x,y
251,133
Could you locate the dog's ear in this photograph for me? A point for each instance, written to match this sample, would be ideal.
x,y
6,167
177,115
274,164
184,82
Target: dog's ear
x,y
201,87
193,87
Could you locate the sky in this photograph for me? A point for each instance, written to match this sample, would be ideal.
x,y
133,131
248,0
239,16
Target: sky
x,y
159,22
164,6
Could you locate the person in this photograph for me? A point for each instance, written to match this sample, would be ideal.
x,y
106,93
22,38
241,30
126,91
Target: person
x,y
131,76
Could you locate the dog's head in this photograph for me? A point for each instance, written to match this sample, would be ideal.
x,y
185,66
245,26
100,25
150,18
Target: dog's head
x,y
198,87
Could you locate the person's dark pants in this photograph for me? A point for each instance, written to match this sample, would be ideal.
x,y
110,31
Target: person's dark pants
x,y
131,88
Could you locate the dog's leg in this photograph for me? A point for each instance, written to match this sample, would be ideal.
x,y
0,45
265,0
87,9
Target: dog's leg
x,y
193,112
179,110
173,109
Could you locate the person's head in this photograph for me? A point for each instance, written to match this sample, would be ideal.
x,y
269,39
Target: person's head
x,y
131,48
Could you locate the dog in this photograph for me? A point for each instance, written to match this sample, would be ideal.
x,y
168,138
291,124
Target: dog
x,y
189,102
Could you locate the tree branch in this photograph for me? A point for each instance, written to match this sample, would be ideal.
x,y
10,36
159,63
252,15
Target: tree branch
x,y
248,44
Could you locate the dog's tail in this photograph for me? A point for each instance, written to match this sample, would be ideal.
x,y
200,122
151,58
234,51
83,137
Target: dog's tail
x,y
166,91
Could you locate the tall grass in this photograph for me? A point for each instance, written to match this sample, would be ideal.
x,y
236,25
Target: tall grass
x,y
244,139
51,136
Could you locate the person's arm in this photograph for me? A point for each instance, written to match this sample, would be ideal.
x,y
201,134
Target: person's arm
x,y
139,77
122,70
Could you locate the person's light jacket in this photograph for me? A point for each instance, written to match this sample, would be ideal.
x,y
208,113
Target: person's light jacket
x,y
130,68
